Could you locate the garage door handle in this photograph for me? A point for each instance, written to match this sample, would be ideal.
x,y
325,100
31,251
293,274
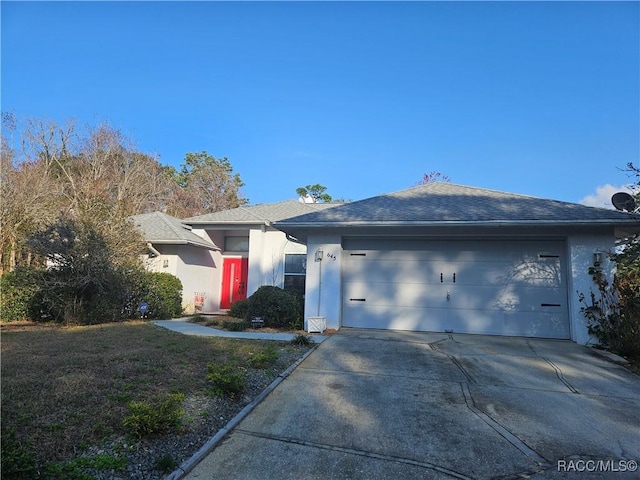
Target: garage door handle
x,y
441,278
550,305
357,299
454,278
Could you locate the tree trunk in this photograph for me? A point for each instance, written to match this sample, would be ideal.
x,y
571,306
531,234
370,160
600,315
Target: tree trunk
x,y
12,256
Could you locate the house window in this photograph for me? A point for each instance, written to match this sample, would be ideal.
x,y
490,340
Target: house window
x,y
295,269
236,244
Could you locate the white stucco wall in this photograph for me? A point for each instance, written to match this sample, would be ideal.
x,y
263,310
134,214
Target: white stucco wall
x,y
199,272
323,284
197,268
256,260
580,257
266,257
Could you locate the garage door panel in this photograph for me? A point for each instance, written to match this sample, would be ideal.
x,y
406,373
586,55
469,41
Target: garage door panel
x,y
433,273
529,324
510,288
466,250
394,317
486,297
529,273
504,273
394,271
536,324
407,294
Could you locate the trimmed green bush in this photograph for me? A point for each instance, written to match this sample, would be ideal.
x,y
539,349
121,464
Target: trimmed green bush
x,y
161,291
164,295
240,309
278,307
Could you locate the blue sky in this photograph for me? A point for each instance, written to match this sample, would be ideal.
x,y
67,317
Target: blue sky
x,y
538,98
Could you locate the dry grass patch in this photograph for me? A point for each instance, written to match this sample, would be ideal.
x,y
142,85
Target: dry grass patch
x,y
64,389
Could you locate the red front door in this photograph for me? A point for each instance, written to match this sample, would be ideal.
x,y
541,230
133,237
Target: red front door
x,y
234,281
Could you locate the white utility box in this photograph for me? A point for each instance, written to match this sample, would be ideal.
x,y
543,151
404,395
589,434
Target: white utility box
x,y
316,324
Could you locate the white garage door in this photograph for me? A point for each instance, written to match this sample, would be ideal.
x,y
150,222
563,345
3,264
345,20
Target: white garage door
x,y
486,287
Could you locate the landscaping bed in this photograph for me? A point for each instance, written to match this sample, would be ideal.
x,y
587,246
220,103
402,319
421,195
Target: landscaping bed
x,y
229,323
76,401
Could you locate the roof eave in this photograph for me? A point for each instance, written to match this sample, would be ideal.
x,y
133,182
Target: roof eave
x,y
226,223
211,247
489,223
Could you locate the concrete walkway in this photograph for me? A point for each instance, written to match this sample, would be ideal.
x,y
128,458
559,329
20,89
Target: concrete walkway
x,y
182,325
401,405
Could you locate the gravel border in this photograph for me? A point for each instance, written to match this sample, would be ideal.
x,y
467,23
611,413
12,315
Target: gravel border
x,y
197,457
208,420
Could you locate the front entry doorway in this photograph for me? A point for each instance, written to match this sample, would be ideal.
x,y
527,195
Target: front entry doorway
x,y
234,281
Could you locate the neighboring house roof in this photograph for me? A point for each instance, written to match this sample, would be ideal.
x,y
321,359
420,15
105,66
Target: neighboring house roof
x,y
442,204
262,214
160,228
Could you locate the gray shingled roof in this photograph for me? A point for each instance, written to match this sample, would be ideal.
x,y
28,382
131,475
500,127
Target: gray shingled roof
x,y
447,204
264,213
160,228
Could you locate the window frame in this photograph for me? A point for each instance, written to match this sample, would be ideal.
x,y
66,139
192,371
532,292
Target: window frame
x,y
299,274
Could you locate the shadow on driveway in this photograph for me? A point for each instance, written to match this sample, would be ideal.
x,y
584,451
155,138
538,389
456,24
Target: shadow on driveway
x,y
373,404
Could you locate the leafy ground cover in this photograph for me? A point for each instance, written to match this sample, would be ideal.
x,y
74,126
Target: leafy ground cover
x,y
66,392
229,323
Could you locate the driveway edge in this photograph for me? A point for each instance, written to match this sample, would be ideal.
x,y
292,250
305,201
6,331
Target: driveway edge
x,y
610,356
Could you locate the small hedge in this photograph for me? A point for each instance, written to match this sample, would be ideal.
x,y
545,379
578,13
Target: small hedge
x,y
240,309
32,294
278,307
164,295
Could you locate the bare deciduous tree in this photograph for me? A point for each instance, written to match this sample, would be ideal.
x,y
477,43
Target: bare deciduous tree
x,y
98,177
30,192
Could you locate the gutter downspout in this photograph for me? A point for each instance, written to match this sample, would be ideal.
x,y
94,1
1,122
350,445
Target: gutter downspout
x,y
153,250
319,287
294,239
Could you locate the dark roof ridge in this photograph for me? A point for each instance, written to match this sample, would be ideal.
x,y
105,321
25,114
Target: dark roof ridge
x,y
444,202
479,190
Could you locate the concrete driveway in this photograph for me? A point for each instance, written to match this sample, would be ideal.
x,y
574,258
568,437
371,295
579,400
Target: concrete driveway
x,y
399,405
